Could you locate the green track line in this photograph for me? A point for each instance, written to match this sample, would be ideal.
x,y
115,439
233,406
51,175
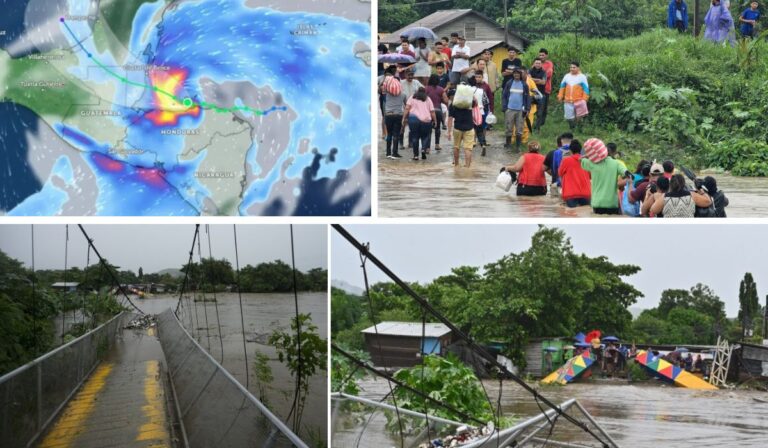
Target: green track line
x,y
189,103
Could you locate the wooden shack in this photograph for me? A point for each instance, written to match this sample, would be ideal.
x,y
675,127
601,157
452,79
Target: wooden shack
x,y
481,32
400,344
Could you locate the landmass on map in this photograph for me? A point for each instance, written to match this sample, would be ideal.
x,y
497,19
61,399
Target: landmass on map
x,y
105,108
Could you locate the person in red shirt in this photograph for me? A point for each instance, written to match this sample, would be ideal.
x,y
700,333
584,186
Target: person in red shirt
x,y
531,180
575,180
549,68
447,49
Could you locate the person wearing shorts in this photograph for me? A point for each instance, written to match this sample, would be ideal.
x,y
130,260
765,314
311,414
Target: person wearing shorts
x,y
573,88
462,126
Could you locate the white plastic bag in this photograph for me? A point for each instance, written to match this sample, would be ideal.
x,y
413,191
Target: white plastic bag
x,y
464,96
490,118
504,181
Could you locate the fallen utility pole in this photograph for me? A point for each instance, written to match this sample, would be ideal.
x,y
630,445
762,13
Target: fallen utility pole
x,y
472,344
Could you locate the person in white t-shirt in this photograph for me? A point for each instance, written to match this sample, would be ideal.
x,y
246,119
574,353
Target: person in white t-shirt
x,y
460,54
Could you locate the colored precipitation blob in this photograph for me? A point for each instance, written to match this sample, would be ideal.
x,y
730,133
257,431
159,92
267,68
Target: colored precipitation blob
x,y
167,86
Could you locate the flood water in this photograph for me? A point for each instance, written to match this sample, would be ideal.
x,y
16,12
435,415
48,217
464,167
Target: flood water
x,y
646,414
435,188
262,313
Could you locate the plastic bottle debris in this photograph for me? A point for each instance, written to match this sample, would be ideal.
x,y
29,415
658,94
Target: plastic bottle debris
x,y
464,434
142,322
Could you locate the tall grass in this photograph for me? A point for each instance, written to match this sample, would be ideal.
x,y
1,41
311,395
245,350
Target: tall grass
x,y
674,95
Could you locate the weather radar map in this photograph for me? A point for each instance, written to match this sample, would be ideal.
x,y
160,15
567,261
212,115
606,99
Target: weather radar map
x,y
185,107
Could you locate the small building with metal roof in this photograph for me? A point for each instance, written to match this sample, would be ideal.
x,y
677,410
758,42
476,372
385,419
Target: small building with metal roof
x,y
401,344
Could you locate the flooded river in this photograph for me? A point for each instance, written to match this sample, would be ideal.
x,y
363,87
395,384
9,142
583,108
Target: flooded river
x,y
644,414
435,188
263,313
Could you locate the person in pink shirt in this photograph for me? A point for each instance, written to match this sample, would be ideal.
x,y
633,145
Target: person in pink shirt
x,y
420,116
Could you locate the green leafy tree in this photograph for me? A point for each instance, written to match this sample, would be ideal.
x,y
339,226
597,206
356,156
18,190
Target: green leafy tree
x,y
445,379
346,310
303,355
749,304
344,374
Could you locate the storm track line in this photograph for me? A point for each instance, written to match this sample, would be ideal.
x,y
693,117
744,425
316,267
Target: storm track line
x,y
187,102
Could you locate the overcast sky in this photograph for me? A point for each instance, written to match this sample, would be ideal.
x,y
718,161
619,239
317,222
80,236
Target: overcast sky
x,y
156,247
671,256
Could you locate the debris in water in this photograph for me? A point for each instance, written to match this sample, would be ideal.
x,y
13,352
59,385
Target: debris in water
x,y
464,435
142,322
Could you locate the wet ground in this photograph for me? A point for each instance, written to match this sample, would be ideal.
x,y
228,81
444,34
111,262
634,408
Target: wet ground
x,y
123,402
435,188
263,313
636,415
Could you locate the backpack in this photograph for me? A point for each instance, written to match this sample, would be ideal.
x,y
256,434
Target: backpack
x,y
392,86
628,208
463,97
706,212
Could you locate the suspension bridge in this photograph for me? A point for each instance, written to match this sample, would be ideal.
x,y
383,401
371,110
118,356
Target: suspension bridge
x,y
138,380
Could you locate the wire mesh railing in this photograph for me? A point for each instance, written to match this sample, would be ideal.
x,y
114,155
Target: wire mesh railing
x,y
32,395
215,408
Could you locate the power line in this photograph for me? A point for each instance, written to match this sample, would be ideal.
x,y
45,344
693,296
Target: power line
x,y
458,332
112,275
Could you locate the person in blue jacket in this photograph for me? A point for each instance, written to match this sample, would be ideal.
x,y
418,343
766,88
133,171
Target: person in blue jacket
x,y
748,19
677,18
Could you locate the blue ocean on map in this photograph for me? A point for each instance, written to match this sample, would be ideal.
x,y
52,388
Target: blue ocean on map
x,y
222,41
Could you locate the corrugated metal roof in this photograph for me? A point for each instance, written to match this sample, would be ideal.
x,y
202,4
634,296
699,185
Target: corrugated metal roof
x,y
431,21
478,46
65,285
436,19
408,329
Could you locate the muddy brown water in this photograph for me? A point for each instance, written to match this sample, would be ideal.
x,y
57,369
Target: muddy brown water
x,y
646,414
435,188
263,313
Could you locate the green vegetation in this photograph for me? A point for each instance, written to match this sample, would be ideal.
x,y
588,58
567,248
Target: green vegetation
x,y
344,374
664,95
55,101
448,380
263,373
28,314
545,290
115,24
210,275
694,316
750,319
303,356
537,19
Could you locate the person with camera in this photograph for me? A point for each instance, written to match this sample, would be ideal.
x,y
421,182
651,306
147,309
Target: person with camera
x,y
719,200
650,175
679,202
654,192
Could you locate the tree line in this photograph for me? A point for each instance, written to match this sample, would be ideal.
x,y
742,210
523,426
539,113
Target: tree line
x,y
537,19
547,290
29,304
274,276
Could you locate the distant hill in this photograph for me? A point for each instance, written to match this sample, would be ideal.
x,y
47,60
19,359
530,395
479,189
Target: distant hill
x,y
635,310
172,272
348,288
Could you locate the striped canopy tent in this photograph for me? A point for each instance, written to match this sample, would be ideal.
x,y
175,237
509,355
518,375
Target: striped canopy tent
x,y
670,372
571,370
